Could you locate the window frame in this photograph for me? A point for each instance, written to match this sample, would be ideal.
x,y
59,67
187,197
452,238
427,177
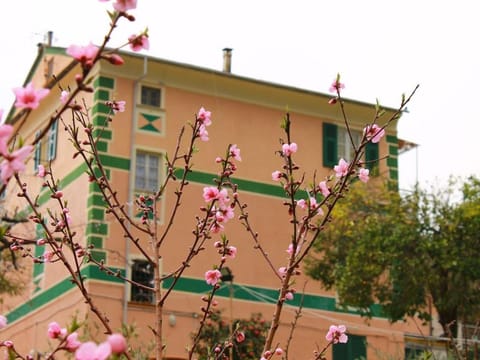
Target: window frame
x,y
159,156
136,258
345,149
131,295
140,102
46,148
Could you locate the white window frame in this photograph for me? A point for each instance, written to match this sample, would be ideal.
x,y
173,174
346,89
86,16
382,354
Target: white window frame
x,y
345,149
148,170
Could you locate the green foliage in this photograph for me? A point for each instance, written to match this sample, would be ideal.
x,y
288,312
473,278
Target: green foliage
x,y
216,332
403,251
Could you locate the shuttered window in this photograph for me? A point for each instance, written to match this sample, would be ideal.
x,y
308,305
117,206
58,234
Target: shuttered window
x,y
354,349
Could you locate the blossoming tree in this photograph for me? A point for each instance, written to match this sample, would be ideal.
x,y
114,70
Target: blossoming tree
x,y
309,205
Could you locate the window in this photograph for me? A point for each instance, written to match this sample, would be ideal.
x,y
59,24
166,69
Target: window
x,y
354,349
147,172
345,149
46,148
141,273
151,96
337,144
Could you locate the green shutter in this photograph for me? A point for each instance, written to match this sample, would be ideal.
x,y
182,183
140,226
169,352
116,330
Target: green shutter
x,y
52,141
354,349
37,157
330,155
372,154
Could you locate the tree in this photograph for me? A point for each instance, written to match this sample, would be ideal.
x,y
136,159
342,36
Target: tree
x,y
405,251
247,342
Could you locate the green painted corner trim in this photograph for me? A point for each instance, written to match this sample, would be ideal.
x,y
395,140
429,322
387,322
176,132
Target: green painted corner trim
x,y
52,293
101,133
96,200
102,146
96,214
101,95
103,81
392,139
392,162
96,241
99,255
393,174
393,150
100,107
115,162
243,185
96,228
100,120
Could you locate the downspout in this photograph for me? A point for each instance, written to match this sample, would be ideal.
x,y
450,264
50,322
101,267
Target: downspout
x,y
131,183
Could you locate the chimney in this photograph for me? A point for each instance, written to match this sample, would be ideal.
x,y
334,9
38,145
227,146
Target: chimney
x,y
227,60
49,38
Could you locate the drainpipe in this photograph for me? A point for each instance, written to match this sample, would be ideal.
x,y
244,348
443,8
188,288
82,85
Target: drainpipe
x,y
131,183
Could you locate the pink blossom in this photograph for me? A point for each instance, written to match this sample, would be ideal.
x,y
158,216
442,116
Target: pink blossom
x,y
278,351
289,149
212,276
115,59
92,351
117,343
14,162
116,106
41,171
203,133
222,197
336,86
277,175
48,256
139,42
224,214
374,133
5,134
289,296
204,117
341,169
41,242
83,54
216,227
363,175
290,249
7,343
72,342
125,5
28,97
3,322
231,252
302,203
240,337
64,96
324,188
54,330
210,193
235,152
282,271
336,334
332,101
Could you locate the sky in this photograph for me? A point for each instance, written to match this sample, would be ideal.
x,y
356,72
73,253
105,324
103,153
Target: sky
x,y
381,48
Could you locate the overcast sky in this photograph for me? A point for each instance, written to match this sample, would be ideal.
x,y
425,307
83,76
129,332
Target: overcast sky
x,y
381,48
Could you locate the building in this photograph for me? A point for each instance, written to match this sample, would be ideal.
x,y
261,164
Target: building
x,y
161,96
